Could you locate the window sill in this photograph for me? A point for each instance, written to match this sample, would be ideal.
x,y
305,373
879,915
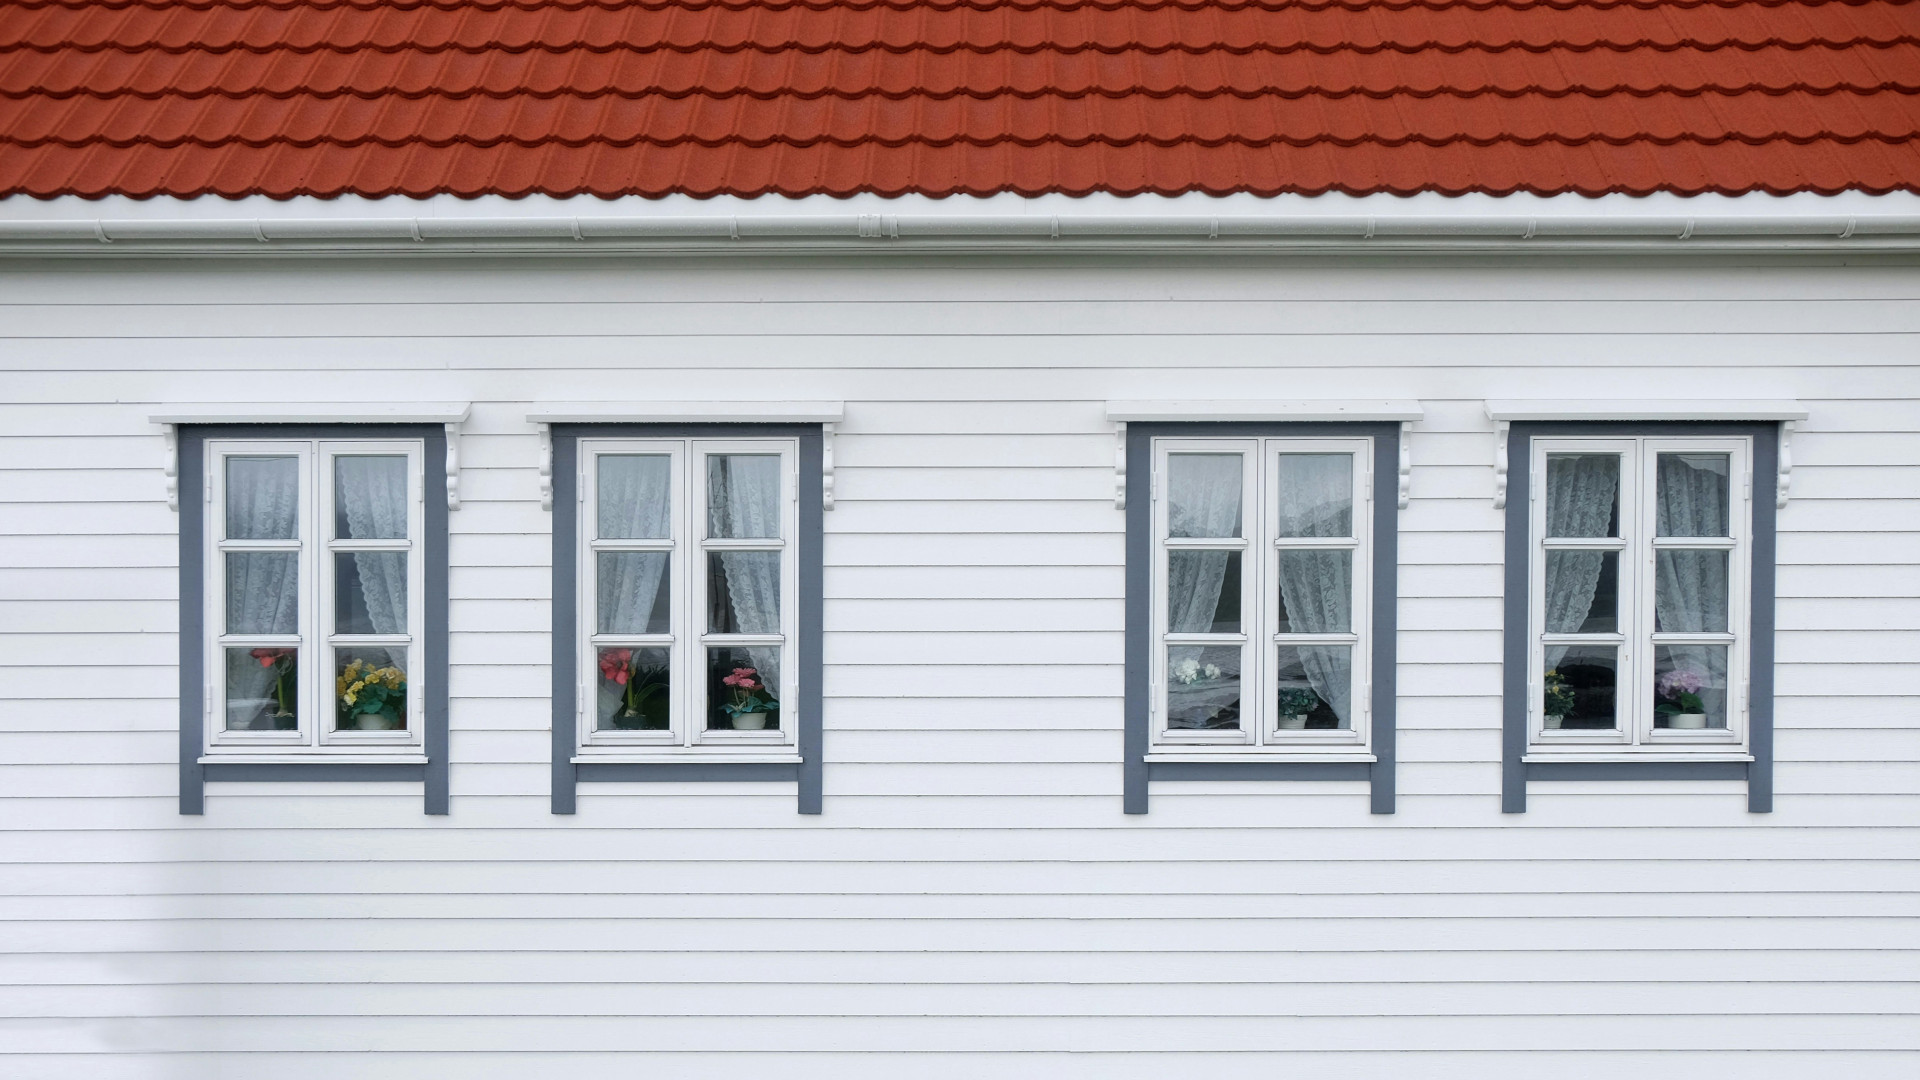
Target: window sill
x,y
681,757
1267,756
1601,756
313,759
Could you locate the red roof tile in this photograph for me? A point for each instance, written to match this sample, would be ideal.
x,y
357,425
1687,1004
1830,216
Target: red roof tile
x,y
746,97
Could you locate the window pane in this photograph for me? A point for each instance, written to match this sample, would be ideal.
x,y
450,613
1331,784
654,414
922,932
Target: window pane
x,y
263,498
1203,494
1203,687
1316,686
370,497
743,592
1583,495
1316,592
635,496
1316,494
1689,686
1690,591
743,686
1583,592
263,592
743,496
1691,495
635,595
263,689
1580,686
1203,592
633,690
370,689
370,592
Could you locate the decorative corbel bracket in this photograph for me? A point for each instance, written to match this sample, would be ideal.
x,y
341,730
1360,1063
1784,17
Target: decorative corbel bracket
x,y
1500,428
1786,464
453,466
546,466
826,466
1406,463
1120,465
172,467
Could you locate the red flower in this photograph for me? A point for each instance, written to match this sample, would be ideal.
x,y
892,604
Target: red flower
x,y
614,663
270,657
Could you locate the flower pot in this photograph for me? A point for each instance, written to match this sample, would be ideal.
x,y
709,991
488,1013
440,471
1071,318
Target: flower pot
x,y
372,722
1687,720
1554,720
749,721
1293,723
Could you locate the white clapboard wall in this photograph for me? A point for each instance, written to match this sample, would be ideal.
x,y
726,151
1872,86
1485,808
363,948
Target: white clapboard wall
x,y
972,902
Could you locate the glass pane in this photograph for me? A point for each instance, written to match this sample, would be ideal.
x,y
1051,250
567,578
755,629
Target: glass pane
x,y
635,594
263,689
263,592
635,496
1583,592
743,592
1203,494
743,496
1580,686
370,689
1203,592
1583,494
263,498
1315,494
743,686
1690,591
1316,687
370,497
1316,592
1691,495
633,690
1689,686
370,592
1203,687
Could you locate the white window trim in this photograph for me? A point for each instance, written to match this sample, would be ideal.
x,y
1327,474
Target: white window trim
x,y
687,737
1259,737
1635,738
315,737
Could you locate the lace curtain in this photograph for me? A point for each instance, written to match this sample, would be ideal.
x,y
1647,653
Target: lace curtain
x,y
1691,586
743,502
1316,499
371,493
633,504
263,588
1204,500
1580,496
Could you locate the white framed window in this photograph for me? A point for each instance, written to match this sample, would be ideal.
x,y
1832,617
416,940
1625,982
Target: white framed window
x,y
1639,595
314,616
688,596
1262,597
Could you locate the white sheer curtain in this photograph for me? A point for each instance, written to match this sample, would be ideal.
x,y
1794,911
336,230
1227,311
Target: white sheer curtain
x,y
1580,495
633,504
1691,586
263,588
371,493
1316,499
743,502
1203,499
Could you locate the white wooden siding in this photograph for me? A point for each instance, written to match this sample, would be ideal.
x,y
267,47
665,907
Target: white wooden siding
x,y
972,901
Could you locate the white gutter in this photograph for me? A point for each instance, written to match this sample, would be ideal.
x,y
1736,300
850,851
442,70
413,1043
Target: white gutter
x,y
1003,223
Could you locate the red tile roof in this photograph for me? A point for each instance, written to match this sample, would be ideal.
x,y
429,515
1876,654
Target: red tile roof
x,y
939,97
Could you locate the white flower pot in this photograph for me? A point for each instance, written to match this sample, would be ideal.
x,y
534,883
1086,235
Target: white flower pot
x,y
1687,720
1554,720
749,721
1293,723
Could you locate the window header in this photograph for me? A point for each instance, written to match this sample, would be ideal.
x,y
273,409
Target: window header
x,y
688,412
1682,408
1253,411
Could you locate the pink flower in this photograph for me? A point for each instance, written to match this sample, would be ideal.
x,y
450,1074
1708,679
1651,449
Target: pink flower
x,y
270,657
742,678
613,664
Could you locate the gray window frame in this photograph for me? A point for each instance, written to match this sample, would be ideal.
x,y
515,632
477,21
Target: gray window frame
x,y
1139,773
1515,771
567,774
194,775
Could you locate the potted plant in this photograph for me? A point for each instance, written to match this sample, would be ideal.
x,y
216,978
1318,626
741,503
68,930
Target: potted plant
x,y
1679,698
371,698
644,688
1296,702
1558,700
751,701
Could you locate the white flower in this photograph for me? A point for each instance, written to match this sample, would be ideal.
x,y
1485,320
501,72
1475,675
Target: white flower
x,y
1186,671
1213,672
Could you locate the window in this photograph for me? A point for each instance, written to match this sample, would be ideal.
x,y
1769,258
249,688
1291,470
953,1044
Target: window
x,y
314,618
1262,595
1638,595
688,597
